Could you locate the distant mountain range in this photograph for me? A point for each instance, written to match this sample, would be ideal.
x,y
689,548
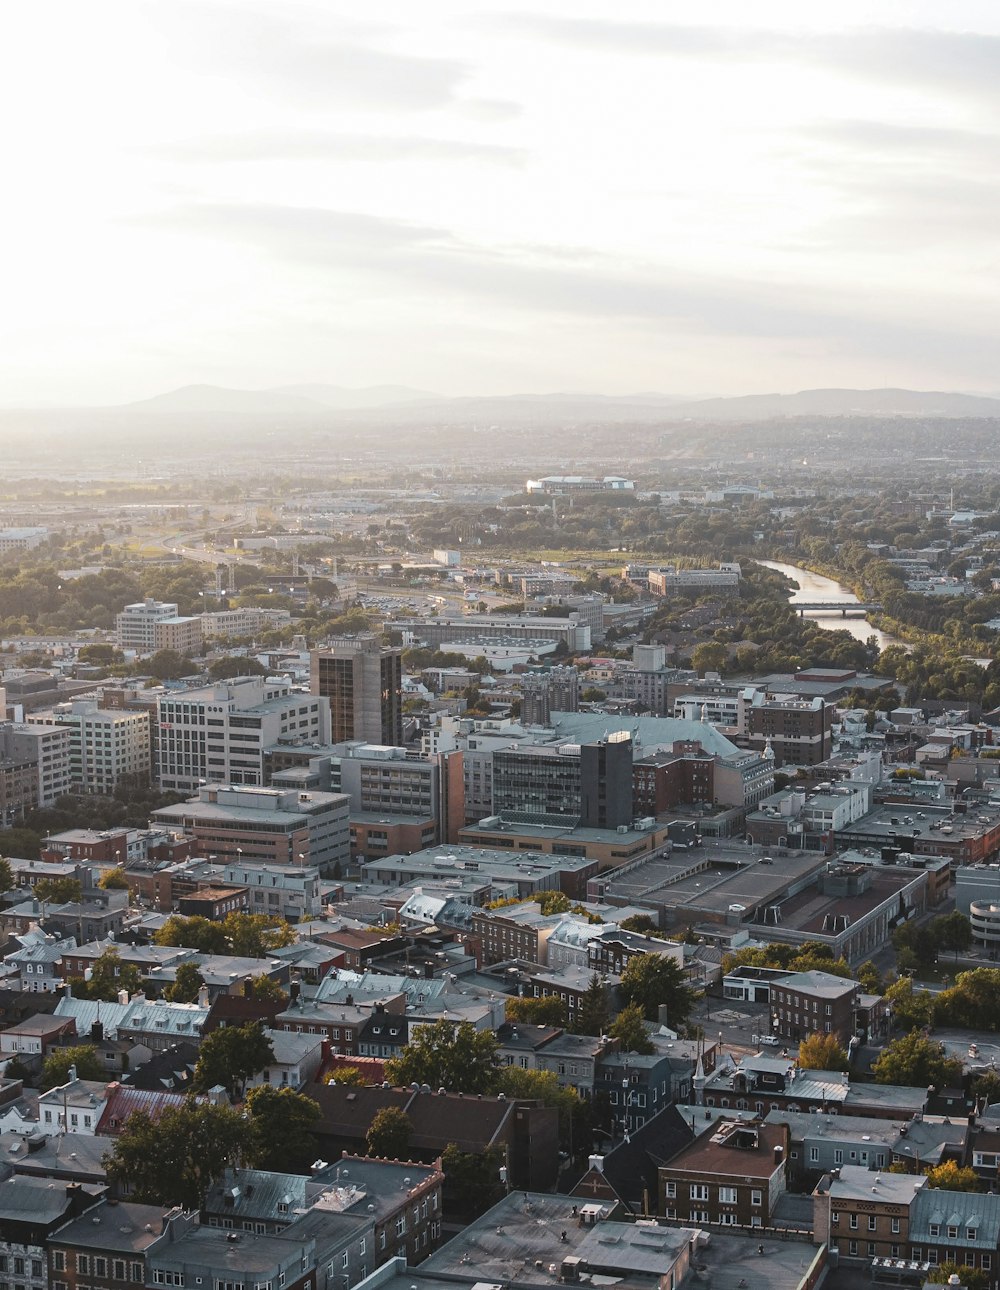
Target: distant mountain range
x,y
405,403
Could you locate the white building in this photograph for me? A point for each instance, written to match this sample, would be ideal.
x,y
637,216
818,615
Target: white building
x,y
21,539
149,625
218,734
242,622
105,744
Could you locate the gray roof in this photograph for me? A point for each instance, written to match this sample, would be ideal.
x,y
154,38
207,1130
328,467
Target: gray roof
x,y
36,1200
961,1209
856,1182
124,1226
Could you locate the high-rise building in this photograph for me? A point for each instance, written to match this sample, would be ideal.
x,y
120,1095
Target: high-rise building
x,y
150,625
34,768
363,681
606,782
542,693
105,745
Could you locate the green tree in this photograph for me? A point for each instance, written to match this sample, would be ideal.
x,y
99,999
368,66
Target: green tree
x,y
113,880
911,1009
953,932
443,1055
389,1134
235,665
544,1087
643,924
6,875
549,1010
918,1062
973,1001
195,933
652,981
184,988
870,977
56,1067
594,1012
472,1180
254,936
984,1088
168,665
264,989
177,1158
281,1126
822,1053
709,656
229,1057
58,891
628,1028
350,1075
973,1278
951,1176
108,977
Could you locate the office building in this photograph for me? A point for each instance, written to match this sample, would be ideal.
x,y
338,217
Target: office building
x,y
150,625
362,680
105,745
34,767
218,734
542,693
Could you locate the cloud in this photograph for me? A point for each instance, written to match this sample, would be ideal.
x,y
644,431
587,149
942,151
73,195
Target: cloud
x,y
327,145
960,63
427,261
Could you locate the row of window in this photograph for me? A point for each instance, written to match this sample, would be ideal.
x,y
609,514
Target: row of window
x,y
727,1195
98,1264
917,1253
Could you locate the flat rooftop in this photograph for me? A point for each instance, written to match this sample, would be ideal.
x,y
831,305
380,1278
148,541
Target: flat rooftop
x,y
923,822
710,882
807,910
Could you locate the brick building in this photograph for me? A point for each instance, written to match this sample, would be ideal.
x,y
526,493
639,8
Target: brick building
x,y
733,1176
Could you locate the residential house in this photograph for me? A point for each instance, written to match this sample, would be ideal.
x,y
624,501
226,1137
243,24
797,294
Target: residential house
x,y
733,1176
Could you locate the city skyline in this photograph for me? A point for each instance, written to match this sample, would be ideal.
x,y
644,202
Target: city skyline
x,y
480,198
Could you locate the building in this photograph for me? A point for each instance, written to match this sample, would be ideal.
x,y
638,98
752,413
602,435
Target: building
x,y
362,681
21,539
218,734
810,1003
34,768
671,581
543,693
492,629
30,1210
265,826
150,625
864,1217
105,745
242,622
608,847
564,485
733,1176
797,730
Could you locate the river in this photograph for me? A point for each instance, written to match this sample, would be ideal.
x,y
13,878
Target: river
x,y
814,586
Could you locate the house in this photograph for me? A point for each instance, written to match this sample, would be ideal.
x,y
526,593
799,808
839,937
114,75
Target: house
x,y
297,1060
73,1107
628,1174
30,1210
107,1248
864,1216
36,1036
960,1227
807,1003
733,1176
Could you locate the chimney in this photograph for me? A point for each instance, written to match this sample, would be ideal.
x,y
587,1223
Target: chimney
x,y
97,1032
294,988
203,996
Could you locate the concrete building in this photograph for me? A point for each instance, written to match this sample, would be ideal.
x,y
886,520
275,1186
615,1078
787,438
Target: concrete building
x,y
543,693
21,539
491,629
563,485
671,581
266,826
150,625
362,680
218,734
242,622
34,767
105,744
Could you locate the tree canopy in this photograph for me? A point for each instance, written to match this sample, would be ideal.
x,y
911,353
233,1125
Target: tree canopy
x,y
389,1134
917,1061
109,975
651,981
443,1055
629,1030
176,1159
821,1052
56,1067
230,1056
281,1124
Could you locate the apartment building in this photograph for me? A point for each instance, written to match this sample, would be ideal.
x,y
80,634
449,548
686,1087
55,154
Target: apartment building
x,y
218,734
362,681
543,693
733,1176
34,767
808,1003
242,622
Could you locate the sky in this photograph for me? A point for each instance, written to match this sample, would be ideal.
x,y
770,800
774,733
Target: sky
x,y
481,197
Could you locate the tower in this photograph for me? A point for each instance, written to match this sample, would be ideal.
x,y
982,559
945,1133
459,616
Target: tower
x,y
363,681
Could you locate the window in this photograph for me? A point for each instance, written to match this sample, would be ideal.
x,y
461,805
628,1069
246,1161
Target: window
x,y
727,1195
854,1222
895,1226
894,1251
59,1261
835,1217
987,1260
952,1232
100,1267
814,1154
135,1273
699,1191
838,1156
755,1197
401,1225
671,1190
83,1263
971,1233
935,1229
852,1247
872,1222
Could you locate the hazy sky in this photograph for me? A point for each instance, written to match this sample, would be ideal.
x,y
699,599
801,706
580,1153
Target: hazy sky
x,y
476,197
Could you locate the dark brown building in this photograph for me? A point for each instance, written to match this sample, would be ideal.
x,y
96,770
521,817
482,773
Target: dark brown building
x,y
107,1248
682,776
810,1003
733,1176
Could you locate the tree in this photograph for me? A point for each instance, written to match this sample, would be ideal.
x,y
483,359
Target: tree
x,y
870,977
643,924
443,1055
281,1124
652,981
389,1134
549,1010
822,1053
108,977
177,1158
186,984
113,880
6,875
195,933
984,1088
58,891
973,1001
230,1056
235,665
254,936
911,1009
594,1012
709,656
630,1031
951,1176
472,1179
169,665
544,1087
918,1062
973,1278
264,989
953,931
56,1067
350,1075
